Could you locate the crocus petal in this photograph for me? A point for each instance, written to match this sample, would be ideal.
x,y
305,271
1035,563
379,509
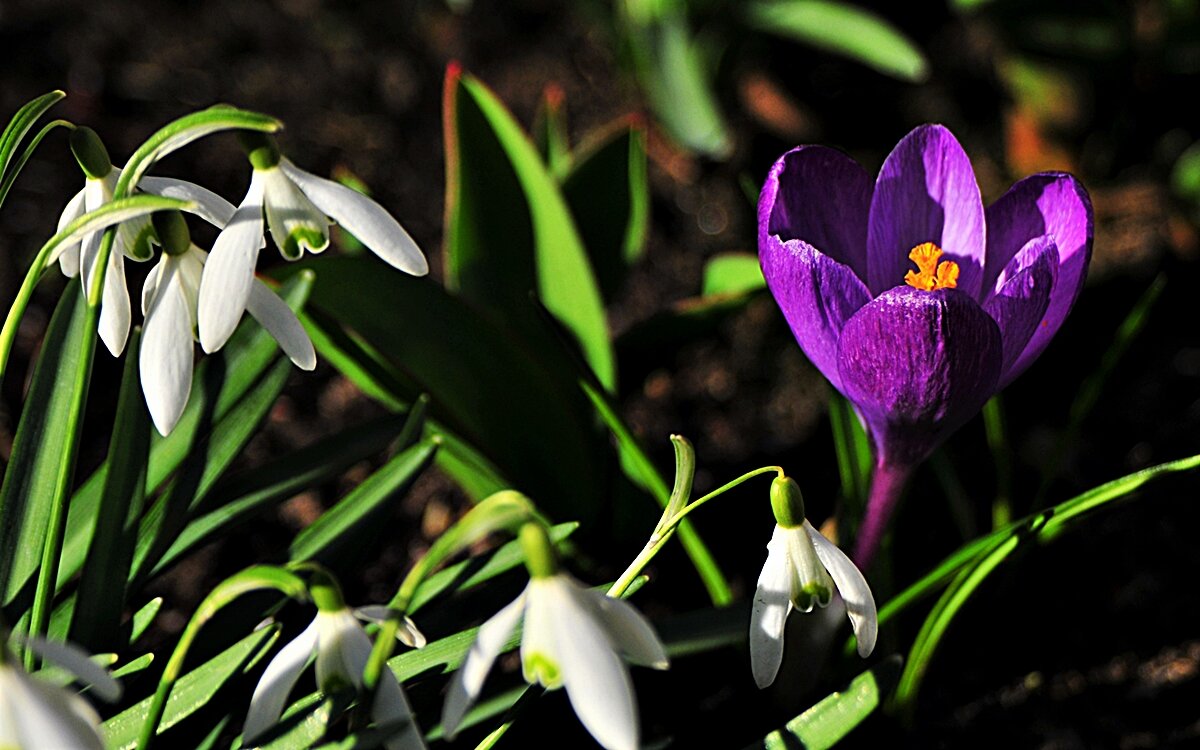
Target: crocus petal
x,y
468,680
1052,204
823,197
596,680
363,218
209,206
926,192
1019,305
817,295
772,602
165,362
917,365
115,314
77,661
229,270
279,320
278,679
852,585
629,630
390,709
296,224
68,255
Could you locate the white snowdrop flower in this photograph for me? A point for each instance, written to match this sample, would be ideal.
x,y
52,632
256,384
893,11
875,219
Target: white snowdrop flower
x,y
36,715
169,301
342,650
573,637
297,208
802,570
134,239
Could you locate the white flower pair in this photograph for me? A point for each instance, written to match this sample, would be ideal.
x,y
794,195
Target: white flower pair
x,y
207,295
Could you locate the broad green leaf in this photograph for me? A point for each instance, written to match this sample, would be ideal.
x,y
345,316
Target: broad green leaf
x,y
834,716
32,471
992,551
509,231
674,70
732,273
358,521
609,197
304,722
468,574
843,29
220,382
192,692
100,600
485,387
240,497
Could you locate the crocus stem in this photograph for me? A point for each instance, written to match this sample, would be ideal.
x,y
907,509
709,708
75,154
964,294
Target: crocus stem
x,y
887,484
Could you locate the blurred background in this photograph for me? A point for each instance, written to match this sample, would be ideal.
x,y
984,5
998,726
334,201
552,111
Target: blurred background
x,y
1089,643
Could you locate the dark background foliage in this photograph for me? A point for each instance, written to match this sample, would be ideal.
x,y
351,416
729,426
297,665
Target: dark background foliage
x,y
1089,643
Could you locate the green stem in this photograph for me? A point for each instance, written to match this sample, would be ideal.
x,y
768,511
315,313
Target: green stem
x,y
16,312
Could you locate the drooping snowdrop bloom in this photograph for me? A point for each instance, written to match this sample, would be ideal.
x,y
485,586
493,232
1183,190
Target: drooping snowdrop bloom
x,y
298,208
169,300
134,239
803,569
915,301
35,715
342,649
573,637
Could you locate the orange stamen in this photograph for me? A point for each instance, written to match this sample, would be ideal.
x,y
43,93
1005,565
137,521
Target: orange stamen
x,y
931,275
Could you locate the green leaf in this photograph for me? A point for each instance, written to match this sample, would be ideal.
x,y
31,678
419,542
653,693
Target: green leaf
x,y
140,664
673,69
192,692
834,716
20,125
32,471
550,131
238,498
852,447
144,617
14,168
609,197
482,382
993,550
509,232
357,522
733,273
100,601
845,30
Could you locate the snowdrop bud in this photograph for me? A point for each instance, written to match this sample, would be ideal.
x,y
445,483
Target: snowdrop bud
x,y
787,502
540,558
260,148
172,231
89,151
325,592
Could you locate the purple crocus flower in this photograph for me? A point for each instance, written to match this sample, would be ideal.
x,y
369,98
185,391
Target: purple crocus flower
x,y
915,301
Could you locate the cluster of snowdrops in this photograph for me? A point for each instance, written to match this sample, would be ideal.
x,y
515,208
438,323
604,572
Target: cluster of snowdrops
x,y
915,301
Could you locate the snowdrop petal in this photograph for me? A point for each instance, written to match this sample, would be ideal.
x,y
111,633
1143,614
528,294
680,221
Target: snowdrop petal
x,y
44,716
468,680
278,679
165,362
363,218
391,709
296,224
77,661
772,602
229,270
209,206
115,314
629,630
852,585
279,320
150,286
68,255
596,680
342,651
